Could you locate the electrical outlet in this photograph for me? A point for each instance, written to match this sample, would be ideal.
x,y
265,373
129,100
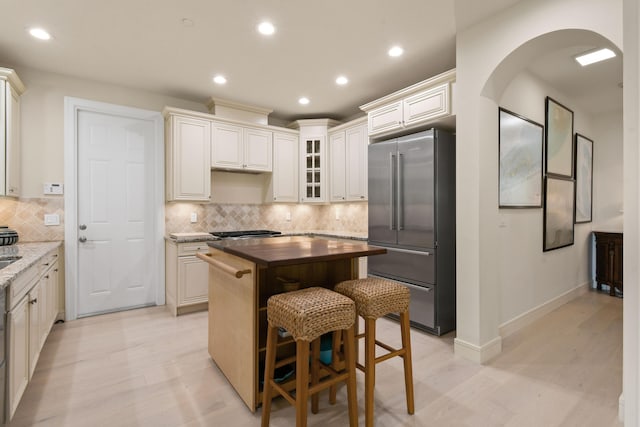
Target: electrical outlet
x,y
51,219
194,217
287,216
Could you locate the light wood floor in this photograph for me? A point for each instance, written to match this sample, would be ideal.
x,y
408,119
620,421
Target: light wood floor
x,y
147,368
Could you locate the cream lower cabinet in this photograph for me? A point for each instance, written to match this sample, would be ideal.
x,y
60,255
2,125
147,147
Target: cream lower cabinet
x,y
186,277
37,302
30,320
18,354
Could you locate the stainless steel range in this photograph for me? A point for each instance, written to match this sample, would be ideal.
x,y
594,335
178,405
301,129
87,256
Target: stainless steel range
x,y
245,234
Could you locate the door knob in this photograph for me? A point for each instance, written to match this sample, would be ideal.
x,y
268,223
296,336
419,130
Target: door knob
x,y
82,239
82,227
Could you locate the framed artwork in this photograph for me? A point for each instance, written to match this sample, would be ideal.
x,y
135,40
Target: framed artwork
x,y
520,157
558,213
559,139
584,178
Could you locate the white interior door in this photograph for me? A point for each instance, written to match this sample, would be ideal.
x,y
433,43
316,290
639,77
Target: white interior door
x,y
117,212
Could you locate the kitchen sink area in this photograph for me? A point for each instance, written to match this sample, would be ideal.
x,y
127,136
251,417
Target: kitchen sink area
x,y
7,261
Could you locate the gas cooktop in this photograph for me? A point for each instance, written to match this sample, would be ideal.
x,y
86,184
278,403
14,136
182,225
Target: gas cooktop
x,y
244,234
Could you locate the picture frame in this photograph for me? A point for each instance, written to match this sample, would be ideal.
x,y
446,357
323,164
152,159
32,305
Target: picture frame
x,y
558,138
520,156
558,223
584,179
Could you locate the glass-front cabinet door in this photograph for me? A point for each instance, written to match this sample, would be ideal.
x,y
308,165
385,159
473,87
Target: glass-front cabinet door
x,y
314,175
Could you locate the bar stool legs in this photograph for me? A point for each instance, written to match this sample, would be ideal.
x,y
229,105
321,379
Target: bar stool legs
x,y
308,314
374,298
269,368
369,369
408,370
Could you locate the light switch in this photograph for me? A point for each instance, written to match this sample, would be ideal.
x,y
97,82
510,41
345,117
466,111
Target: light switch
x,y
51,219
53,188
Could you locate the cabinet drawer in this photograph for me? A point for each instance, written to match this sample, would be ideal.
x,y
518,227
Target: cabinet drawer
x,y
48,260
405,265
187,249
23,284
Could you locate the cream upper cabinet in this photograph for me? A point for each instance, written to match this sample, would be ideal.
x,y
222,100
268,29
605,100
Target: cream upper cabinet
x,y
226,146
188,154
258,150
337,165
10,159
348,162
313,169
314,159
241,148
386,118
424,104
427,105
285,177
356,172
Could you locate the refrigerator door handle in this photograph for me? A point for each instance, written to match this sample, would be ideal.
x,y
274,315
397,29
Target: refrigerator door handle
x,y
392,225
400,195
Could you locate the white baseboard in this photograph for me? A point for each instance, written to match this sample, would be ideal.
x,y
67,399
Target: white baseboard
x,y
478,354
543,309
621,408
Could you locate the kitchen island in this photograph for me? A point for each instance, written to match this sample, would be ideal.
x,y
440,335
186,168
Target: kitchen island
x,y
243,274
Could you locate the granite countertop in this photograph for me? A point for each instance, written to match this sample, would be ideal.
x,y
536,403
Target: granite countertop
x,y
203,237
30,253
293,250
353,235
190,237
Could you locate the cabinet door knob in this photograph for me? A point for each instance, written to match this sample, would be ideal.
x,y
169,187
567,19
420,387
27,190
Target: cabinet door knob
x,y
33,301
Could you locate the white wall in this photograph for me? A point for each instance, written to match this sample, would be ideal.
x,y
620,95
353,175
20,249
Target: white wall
x,y
482,50
607,171
43,119
630,401
528,276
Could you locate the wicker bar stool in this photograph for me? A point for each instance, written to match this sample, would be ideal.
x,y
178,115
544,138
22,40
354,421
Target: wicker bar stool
x,y
375,297
307,314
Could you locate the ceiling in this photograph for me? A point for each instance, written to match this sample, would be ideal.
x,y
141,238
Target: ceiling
x,y
144,44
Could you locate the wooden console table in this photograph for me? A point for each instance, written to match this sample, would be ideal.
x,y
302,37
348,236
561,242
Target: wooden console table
x,y
609,260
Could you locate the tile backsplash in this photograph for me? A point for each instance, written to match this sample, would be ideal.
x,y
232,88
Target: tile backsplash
x,y
223,217
26,216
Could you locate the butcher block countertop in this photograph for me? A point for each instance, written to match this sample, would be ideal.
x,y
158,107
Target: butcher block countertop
x,y
292,250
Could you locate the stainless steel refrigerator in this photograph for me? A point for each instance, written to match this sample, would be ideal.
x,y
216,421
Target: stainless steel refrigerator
x,y
412,214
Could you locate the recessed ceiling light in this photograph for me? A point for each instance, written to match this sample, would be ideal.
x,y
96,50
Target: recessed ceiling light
x,y
220,79
595,56
266,28
303,100
342,80
396,51
39,33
